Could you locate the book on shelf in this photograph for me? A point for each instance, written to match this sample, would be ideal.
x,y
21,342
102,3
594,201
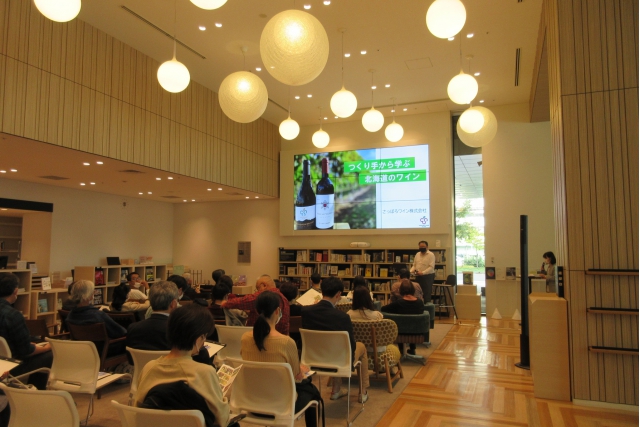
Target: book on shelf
x,y
411,258
325,256
149,274
384,272
124,272
405,258
398,258
367,272
341,273
390,256
43,305
367,258
318,256
304,283
291,271
347,272
97,297
439,273
334,270
301,256
99,277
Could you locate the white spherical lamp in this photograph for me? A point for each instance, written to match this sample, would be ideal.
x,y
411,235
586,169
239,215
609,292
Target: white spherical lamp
x,y
485,135
471,120
209,4
343,103
373,120
320,138
294,47
445,18
173,76
243,97
59,10
463,88
394,132
289,129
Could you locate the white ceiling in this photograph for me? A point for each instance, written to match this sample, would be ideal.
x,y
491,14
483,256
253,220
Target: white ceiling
x,y
393,33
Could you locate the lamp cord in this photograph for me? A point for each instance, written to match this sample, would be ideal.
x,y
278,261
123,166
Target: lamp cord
x,y
460,35
175,26
372,89
342,58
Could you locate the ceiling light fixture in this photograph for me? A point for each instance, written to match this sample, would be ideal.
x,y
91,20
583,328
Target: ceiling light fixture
x,y
294,47
404,109
394,131
346,55
363,52
158,179
60,10
3,209
372,120
141,193
243,96
202,28
219,189
309,96
86,164
173,75
327,2
484,135
471,120
82,183
481,101
92,183
184,200
193,200
343,102
3,171
208,189
296,97
149,192
289,128
257,197
209,4
373,87
246,197
320,138
258,69
445,18
463,88
100,163
387,86
469,35
13,170
169,177
476,74
451,39
307,6
218,24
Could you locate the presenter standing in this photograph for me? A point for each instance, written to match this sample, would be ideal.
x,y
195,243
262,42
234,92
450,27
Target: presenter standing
x,y
424,265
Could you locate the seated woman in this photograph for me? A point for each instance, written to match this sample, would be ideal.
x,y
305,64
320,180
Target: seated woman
x,y
187,330
358,282
84,313
125,299
290,292
408,304
362,306
266,344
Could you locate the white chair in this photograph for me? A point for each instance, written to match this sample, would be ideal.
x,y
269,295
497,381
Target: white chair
x,y
140,360
40,408
253,393
231,336
131,416
329,353
5,351
75,369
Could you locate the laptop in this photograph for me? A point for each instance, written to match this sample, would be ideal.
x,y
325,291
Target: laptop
x,y
113,260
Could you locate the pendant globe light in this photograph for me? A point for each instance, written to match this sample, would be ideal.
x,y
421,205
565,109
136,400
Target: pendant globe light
x,y
289,128
372,120
209,4
471,120
485,135
320,138
243,96
394,131
343,102
294,47
173,75
59,10
463,88
445,18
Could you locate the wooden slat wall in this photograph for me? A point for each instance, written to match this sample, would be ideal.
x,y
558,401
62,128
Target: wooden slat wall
x,y
592,48
73,85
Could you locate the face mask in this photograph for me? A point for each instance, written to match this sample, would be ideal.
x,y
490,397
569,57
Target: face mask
x,y
423,250
279,317
136,285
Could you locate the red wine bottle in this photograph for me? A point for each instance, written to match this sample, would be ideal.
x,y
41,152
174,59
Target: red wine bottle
x,y
325,208
305,206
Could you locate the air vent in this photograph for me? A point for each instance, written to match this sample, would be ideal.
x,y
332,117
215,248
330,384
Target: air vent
x,y
131,171
171,197
517,66
53,177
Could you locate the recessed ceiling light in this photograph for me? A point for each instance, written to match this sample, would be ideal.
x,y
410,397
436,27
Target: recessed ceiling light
x,y
272,67
13,170
246,197
169,177
327,2
82,183
309,96
393,111
258,69
374,87
363,52
336,117
387,85
346,55
202,28
208,189
140,193
92,183
325,118
158,179
307,6
481,101
3,209
469,35
296,97
149,192
3,171
257,197
451,38
100,163
86,164
476,74
193,200
218,24
184,200
219,189
404,109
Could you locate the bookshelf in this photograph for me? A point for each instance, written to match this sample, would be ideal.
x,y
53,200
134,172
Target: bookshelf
x,y
108,277
11,239
54,298
297,265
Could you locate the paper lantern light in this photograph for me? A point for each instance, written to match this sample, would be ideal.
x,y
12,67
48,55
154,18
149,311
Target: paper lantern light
x,y
373,120
471,120
394,132
173,76
484,135
343,103
445,18
289,128
243,96
209,4
59,10
463,88
320,138
294,47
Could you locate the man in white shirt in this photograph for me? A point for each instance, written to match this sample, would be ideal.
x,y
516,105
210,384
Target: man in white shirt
x,y
424,265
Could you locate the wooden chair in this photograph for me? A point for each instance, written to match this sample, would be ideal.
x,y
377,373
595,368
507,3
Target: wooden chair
x,y
344,307
217,312
97,334
62,314
295,323
123,319
38,328
377,335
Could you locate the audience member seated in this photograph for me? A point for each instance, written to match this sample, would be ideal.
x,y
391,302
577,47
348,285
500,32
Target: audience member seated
x,y
290,292
125,299
362,306
316,280
216,275
227,281
358,282
323,316
266,344
137,284
219,294
13,328
232,316
187,330
86,314
408,304
401,274
187,293
68,304
248,303
151,333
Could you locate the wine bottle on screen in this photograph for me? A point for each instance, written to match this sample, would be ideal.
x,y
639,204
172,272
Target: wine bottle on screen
x,y
305,206
325,208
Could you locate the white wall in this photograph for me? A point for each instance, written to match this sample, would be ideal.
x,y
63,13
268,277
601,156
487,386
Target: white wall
x,y
88,226
36,239
518,180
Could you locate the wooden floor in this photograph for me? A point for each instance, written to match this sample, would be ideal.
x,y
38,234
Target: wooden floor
x,y
471,380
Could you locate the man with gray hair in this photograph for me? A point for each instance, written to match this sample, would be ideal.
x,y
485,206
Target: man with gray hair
x,y
151,333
